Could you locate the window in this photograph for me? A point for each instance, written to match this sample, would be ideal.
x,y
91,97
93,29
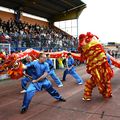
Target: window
x,y
69,26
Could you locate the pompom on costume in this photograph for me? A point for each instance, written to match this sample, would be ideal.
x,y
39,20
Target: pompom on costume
x,y
97,66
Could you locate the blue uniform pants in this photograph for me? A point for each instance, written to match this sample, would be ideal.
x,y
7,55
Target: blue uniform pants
x,y
55,78
34,87
74,74
24,82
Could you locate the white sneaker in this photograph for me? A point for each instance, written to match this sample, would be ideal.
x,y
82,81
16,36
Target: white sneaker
x,y
86,99
23,91
80,83
60,85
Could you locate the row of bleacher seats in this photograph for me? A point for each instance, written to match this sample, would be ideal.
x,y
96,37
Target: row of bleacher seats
x,y
22,35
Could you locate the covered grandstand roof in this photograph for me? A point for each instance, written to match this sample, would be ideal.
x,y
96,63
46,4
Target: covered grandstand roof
x,y
52,10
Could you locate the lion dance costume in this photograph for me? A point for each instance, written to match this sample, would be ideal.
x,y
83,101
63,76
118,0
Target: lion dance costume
x,y
97,66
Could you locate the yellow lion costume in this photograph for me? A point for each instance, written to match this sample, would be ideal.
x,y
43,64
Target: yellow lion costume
x,y
97,66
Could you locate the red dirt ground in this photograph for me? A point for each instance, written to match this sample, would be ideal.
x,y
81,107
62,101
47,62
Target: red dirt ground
x,y
44,107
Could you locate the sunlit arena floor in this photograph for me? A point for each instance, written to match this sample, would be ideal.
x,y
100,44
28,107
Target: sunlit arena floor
x,y
44,107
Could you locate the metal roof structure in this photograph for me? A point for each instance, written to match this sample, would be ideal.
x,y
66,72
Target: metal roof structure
x,y
52,10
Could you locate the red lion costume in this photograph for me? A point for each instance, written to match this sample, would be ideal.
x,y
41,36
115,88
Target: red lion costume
x,y
97,66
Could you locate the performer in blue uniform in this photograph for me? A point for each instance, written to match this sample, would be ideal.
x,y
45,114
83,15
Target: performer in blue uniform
x,y
108,59
29,74
71,70
52,72
40,82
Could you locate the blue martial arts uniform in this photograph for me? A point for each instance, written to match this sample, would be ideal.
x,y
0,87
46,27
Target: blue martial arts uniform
x,y
52,73
41,68
31,72
108,59
72,71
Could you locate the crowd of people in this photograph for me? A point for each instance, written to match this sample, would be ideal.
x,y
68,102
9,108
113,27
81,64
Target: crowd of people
x,y
114,53
22,34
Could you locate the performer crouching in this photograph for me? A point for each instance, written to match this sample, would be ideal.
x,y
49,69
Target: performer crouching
x,y
29,74
40,82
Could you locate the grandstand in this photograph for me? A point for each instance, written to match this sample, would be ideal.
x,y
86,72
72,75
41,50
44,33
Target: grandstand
x,y
23,32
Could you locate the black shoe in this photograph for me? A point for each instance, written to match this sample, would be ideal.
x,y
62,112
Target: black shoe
x,y
62,100
23,110
63,80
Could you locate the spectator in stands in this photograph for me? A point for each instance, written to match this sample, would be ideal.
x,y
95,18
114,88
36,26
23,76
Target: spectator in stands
x,y
113,53
2,37
116,54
